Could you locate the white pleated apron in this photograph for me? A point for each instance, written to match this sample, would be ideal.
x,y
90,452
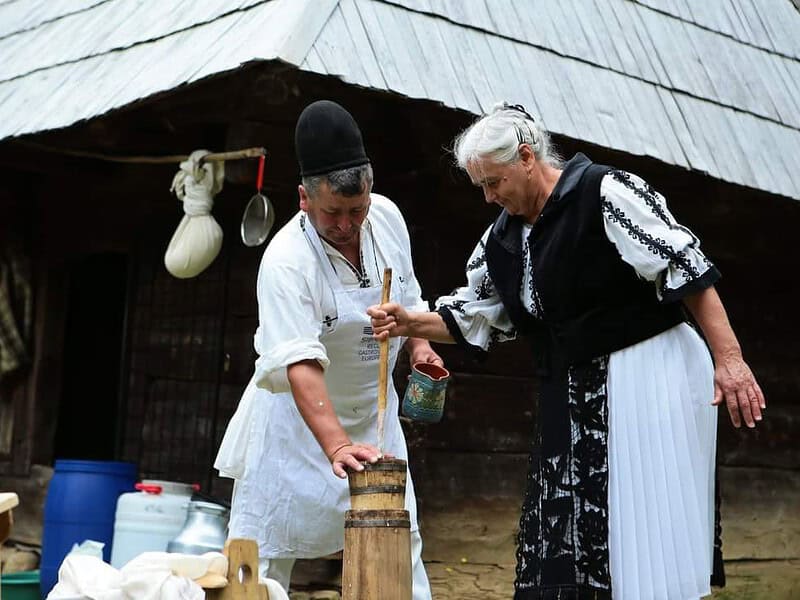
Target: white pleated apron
x,y
286,495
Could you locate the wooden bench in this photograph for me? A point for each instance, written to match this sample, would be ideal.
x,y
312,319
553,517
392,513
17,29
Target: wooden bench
x,y
242,580
8,500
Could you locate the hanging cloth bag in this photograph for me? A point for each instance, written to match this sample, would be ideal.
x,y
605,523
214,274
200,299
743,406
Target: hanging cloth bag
x,y
198,238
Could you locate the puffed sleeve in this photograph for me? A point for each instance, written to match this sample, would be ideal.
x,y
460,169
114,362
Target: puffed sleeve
x,y
290,324
647,237
474,314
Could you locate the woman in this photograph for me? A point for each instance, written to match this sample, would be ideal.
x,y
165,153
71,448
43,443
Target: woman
x,y
589,264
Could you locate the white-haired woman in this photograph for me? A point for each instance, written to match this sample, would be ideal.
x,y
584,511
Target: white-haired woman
x,y
588,263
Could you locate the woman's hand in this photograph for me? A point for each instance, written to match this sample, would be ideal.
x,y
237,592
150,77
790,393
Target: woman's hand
x,y
388,320
735,383
420,351
351,456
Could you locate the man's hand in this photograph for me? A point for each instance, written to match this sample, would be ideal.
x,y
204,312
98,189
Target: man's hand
x,y
351,455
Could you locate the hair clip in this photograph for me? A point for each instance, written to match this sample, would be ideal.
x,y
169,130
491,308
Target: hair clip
x,y
520,135
519,108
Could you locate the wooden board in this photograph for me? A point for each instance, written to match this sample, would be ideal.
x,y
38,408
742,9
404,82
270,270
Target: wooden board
x,y
242,573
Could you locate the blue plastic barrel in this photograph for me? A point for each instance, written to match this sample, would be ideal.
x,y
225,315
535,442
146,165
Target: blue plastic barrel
x,y
80,505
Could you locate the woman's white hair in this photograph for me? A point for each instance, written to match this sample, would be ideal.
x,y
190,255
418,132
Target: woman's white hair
x,y
497,136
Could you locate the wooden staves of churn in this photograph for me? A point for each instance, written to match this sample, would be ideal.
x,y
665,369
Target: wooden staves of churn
x,y
377,555
377,536
380,485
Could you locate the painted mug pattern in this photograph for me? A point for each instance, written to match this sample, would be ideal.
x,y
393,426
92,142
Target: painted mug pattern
x,y
425,394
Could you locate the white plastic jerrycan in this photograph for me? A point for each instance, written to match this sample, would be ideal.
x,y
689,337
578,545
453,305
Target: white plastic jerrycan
x,y
146,520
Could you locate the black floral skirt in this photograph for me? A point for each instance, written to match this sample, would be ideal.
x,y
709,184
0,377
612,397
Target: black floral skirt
x,y
562,547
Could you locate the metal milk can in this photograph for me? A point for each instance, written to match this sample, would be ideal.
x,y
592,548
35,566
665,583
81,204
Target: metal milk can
x,y
205,529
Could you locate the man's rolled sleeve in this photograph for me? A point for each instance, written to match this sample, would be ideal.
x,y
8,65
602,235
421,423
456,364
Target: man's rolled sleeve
x,y
289,326
271,366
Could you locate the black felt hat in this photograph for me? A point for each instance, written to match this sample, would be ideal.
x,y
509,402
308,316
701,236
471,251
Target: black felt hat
x,y
327,138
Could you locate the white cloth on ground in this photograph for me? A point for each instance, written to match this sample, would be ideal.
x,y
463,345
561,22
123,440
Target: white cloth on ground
x,y
149,576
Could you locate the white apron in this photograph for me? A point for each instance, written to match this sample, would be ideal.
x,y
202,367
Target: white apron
x,y
286,495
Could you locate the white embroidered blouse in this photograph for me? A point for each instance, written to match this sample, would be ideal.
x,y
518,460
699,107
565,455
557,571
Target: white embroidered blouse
x,y
638,223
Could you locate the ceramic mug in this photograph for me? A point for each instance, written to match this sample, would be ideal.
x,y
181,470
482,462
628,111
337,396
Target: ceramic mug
x,y
425,394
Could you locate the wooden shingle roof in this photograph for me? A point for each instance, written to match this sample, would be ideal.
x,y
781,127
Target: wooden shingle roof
x,y
709,85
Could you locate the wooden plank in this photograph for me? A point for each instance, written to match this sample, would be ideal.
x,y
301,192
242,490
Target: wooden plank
x,y
756,24
637,118
450,89
604,32
783,21
703,140
786,88
640,26
476,88
620,29
242,576
730,159
425,63
628,14
763,86
361,41
591,48
337,52
395,28
691,147
747,133
380,44
544,85
508,87
536,28
462,66
594,113
487,72
313,62
661,127
788,138
735,20
664,49
562,27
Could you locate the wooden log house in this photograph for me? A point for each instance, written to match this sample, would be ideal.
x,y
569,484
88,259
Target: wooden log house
x,y
700,98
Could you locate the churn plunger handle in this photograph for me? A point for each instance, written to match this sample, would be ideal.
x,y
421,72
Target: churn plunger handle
x,y
383,364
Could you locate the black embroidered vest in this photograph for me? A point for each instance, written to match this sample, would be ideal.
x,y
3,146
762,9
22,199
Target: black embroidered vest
x,y
592,302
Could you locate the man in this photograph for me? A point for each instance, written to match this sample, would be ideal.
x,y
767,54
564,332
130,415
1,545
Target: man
x,y
310,410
